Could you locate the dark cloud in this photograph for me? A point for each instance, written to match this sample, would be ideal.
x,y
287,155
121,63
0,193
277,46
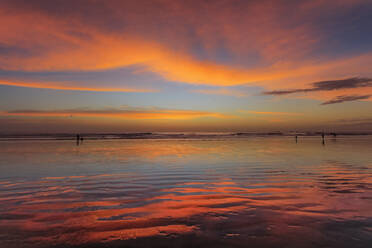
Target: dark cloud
x,y
343,84
346,98
348,83
10,50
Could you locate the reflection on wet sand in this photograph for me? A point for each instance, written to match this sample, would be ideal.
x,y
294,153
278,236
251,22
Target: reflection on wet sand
x,y
191,194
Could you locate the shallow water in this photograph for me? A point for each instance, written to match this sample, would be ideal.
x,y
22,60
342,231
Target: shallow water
x,y
249,192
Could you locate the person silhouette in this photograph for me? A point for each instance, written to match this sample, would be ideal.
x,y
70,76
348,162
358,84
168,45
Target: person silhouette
x,y
296,138
334,136
77,139
323,141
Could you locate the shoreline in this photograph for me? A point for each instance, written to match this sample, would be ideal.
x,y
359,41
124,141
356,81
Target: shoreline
x,y
125,136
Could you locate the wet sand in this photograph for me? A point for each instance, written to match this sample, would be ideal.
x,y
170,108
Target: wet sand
x,y
250,192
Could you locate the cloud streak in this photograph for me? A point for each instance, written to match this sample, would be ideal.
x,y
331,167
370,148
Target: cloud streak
x,y
128,113
64,86
271,113
348,83
346,98
222,91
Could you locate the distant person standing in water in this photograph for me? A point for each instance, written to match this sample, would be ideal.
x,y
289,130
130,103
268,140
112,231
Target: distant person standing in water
x,y
334,139
296,138
323,142
77,139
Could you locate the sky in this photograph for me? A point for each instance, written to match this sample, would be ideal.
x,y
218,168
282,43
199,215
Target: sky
x,y
196,65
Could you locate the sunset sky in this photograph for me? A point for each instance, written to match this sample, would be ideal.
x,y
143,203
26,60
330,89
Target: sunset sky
x,y
196,65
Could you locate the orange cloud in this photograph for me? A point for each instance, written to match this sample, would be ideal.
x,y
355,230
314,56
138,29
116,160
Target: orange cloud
x,y
124,114
59,43
105,52
271,113
63,86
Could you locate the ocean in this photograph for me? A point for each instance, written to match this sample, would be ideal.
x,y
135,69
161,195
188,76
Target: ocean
x,y
186,190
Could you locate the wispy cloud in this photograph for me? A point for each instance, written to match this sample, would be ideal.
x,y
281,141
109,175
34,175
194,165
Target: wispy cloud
x,y
64,86
125,36
346,98
127,113
364,123
222,91
352,120
348,83
271,113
